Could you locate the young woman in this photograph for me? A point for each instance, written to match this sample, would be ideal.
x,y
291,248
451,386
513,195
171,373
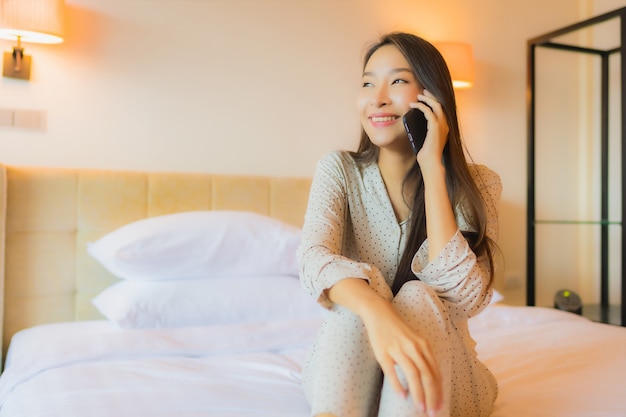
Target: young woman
x,y
399,247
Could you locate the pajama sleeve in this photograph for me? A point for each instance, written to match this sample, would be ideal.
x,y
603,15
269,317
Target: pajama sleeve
x,y
460,278
319,254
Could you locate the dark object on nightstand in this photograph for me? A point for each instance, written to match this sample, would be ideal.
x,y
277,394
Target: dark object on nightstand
x,y
567,300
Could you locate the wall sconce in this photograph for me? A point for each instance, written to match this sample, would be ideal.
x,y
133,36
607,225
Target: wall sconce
x,y
460,61
35,21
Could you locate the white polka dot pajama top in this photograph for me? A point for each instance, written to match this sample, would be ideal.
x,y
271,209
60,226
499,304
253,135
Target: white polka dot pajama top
x,y
351,231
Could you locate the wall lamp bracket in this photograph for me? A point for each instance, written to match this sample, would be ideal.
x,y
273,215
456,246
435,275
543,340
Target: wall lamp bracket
x,y
16,64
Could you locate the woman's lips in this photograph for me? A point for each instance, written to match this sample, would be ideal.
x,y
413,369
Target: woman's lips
x,y
382,120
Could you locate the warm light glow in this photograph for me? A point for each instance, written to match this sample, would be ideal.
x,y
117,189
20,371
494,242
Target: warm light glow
x,y
36,21
460,60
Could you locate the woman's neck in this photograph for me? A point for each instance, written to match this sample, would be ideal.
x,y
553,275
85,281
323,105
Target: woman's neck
x,y
394,165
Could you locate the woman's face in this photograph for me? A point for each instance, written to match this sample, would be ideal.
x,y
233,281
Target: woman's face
x,y
388,86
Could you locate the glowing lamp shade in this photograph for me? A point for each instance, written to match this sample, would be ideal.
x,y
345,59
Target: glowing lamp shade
x,y
460,60
36,21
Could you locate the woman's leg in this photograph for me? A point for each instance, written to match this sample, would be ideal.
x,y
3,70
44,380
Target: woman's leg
x,y
341,376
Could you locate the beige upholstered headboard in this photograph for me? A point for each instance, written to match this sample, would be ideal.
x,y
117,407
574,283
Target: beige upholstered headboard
x,y
49,214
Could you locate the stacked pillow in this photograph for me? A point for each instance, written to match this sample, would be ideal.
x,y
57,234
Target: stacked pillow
x,y
202,267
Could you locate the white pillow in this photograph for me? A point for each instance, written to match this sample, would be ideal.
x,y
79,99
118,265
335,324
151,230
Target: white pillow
x,y
199,244
151,304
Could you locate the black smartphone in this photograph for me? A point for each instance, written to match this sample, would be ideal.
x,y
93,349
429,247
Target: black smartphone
x,y
416,127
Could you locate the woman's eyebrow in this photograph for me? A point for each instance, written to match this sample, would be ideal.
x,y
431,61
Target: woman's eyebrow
x,y
393,71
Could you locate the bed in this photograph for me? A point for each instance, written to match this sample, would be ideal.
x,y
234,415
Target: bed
x,y
89,332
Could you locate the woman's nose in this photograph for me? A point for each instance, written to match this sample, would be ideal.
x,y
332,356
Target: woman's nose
x,y
381,98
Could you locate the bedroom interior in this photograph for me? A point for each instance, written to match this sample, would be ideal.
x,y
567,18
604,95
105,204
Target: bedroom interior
x,y
162,139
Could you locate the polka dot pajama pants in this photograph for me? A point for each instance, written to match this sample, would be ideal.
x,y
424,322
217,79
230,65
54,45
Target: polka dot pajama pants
x,y
342,376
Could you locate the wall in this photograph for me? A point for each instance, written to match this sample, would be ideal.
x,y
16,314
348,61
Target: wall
x,y
266,86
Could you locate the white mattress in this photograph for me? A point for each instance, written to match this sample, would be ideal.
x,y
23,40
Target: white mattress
x,y
548,363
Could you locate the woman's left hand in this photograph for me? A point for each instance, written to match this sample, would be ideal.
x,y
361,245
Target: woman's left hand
x,y
437,135
440,218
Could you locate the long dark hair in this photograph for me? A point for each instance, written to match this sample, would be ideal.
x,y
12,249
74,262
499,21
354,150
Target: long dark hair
x,y
431,71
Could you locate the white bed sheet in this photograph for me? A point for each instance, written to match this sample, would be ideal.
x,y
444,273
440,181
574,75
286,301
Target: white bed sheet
x,y
95,369
548,363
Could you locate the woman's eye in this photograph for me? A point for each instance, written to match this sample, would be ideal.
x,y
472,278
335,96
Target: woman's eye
x,y
399,81
367,84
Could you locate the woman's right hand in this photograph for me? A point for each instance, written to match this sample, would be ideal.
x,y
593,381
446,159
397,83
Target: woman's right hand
x,y
395,343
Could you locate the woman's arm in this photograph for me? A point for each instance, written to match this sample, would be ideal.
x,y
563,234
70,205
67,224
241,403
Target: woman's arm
x,y
320,257
445,261
440,220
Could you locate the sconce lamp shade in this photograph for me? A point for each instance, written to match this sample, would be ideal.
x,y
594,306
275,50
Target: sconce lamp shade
x,y
35,21
460,60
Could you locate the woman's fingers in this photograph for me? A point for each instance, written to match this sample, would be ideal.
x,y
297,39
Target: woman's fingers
x,y
437,135
414,382
428,103
422,375
431,380
389,370
432,102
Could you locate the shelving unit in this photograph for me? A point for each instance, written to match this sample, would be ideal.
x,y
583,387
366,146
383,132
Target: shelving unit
x,y
603,311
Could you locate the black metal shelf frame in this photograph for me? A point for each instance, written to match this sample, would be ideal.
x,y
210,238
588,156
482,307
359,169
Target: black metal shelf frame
x,y
547,41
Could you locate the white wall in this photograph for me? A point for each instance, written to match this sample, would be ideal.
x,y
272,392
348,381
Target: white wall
x,y
266,86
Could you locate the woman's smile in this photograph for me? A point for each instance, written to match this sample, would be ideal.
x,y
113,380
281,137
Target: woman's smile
x,y
383,119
